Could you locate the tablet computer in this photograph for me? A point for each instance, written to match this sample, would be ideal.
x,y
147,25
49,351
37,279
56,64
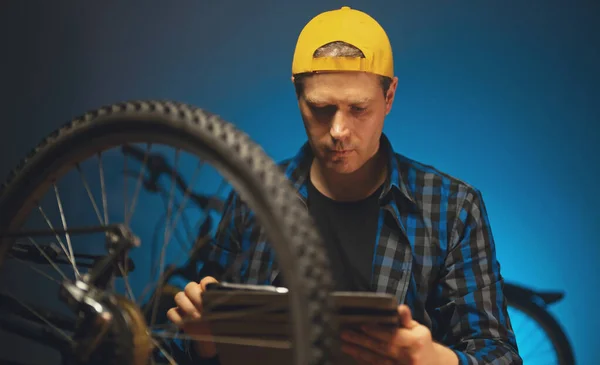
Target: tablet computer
x,y
251,324
240,309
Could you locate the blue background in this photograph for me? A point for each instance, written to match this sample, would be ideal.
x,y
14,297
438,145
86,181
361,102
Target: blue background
x,y
503,95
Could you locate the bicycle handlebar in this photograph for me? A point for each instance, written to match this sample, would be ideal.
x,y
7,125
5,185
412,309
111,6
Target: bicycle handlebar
x,y
157,165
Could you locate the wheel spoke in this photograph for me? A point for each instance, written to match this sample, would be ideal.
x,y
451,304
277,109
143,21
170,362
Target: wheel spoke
x,y
166,242
185,248
89,192
534,344
164,352
60,241
532,331
67,235
40,317
524,322
29,265
129,213
103,188
537,348
537,353
158,284
181,207
50,261
125,205
169,207
239,259
125,274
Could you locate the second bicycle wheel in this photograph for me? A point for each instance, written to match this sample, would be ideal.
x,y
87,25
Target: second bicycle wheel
x,y
258,182
540,338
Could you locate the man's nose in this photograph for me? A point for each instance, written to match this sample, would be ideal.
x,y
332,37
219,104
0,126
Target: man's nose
x,y
339,126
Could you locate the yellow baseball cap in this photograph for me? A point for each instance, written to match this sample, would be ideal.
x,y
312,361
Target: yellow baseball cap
x,y
347,25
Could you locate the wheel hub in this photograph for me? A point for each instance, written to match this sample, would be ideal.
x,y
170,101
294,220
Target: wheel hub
x,y
110,328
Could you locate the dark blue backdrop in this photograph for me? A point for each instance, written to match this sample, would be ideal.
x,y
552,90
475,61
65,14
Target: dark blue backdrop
x,y
501,94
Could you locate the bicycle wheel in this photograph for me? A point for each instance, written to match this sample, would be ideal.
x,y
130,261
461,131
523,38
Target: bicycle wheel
x,y
540,338
258,180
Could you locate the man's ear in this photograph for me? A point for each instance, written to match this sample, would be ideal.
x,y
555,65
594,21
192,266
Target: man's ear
x,y
391,94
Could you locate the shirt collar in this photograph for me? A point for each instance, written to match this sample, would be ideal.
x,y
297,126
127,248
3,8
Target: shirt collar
x,y
298,168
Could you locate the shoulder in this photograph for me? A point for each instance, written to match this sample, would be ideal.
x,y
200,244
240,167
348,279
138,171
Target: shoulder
x,y
429,184
441,198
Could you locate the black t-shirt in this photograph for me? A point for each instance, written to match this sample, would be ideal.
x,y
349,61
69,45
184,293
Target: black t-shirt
x,y
349,230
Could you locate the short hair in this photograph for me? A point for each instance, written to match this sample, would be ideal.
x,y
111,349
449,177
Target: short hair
x,y
337,49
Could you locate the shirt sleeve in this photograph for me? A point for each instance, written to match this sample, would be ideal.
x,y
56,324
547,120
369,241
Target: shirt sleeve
x,y
472,309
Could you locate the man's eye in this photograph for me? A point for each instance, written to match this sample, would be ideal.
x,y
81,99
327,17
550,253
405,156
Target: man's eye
x,y
327,109
358,109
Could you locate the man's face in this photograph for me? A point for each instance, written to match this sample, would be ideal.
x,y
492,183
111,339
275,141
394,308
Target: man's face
x,y
343,114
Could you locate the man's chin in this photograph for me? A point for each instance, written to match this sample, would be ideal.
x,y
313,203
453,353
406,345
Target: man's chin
x,y
341,167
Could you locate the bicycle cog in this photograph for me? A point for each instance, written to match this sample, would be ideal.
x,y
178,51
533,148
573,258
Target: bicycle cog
x,y
127,339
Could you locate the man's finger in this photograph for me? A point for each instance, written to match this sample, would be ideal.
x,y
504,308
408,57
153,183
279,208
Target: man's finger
x,y
406,320
385,334
194,293
185,305
364,356
207,280
409,340
375,345
174,316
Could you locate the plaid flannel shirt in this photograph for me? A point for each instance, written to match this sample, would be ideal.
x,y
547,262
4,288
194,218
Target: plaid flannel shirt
x,y
434,251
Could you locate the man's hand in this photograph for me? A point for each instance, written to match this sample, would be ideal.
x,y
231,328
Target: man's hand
x,y
187,313
410,344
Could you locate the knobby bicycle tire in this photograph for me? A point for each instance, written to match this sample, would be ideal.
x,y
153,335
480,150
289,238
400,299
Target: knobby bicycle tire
x,y
549,325
258,180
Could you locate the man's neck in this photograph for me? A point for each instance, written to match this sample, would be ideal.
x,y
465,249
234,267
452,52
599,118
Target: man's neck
x,y
350,187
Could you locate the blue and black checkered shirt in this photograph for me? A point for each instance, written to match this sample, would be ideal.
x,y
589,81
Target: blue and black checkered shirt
x,y
434,251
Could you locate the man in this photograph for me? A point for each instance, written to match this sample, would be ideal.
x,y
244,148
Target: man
x,y
390,224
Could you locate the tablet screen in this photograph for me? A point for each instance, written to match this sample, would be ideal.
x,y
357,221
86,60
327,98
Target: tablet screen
x,y
267,313
255,325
